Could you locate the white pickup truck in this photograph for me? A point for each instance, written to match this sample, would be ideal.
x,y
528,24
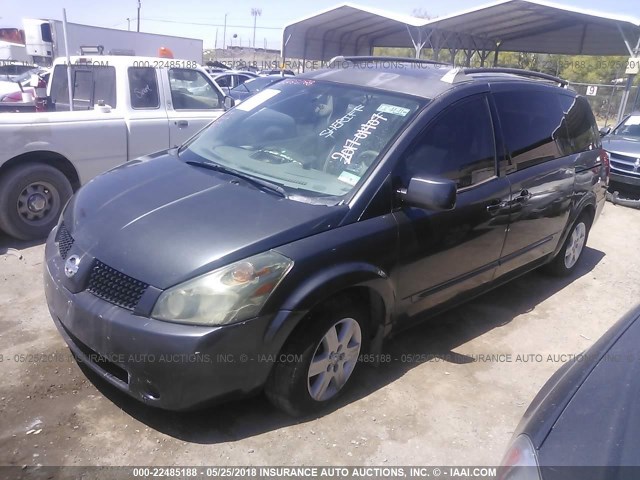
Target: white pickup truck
x,y
124,107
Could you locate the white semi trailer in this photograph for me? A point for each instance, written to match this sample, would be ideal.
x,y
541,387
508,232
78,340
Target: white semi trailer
x,y
44,41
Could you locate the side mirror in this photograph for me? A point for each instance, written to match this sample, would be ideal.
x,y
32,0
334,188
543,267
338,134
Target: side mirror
x,y
605,131
229,102
436,194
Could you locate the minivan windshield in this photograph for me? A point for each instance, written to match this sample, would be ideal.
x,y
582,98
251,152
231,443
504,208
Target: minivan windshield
x,y
630,127
315,139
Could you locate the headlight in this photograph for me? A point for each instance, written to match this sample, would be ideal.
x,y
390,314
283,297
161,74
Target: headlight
x,y
229,294
520,462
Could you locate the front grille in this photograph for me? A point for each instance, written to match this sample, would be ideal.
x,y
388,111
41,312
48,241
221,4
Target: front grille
x,y
623,162
64,240
624,158
622,166
114,286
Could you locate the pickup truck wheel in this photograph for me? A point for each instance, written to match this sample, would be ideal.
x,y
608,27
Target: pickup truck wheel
x,y
31,199
319,362
567,258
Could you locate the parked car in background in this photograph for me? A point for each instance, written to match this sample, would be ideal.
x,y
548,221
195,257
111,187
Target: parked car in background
x,y
623,146
124,107
231,79
253,86
314,219
276,71
586,415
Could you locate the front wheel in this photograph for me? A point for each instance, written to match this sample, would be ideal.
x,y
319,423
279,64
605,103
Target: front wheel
x,y
567,258
320,360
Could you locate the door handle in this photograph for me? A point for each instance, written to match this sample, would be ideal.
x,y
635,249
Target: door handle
x,y
523,197
182,123
496,206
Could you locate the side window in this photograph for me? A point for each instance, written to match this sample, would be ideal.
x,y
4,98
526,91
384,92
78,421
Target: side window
x,y
458,145
224,81
105,85
533,126
45,32
190,90
581,124
90,85
143,87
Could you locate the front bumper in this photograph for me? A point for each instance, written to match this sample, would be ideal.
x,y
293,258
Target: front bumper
x,y
167,365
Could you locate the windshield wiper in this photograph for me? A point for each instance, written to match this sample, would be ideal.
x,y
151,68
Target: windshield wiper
x,y
256,182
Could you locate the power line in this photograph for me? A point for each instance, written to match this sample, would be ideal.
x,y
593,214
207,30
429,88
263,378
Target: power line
x,y
208,24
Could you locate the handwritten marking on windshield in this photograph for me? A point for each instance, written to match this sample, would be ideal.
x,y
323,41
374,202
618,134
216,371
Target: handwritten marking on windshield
x,y
340,122
351,146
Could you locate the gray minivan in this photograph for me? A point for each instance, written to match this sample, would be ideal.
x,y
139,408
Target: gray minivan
x,y
277,248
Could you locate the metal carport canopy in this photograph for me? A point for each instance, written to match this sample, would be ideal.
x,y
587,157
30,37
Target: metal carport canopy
x,y
511,25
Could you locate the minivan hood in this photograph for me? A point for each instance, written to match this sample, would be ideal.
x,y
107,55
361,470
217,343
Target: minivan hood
x,y
622,145
162,221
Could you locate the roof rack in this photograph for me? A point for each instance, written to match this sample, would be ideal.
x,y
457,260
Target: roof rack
x,y
516,71
373,58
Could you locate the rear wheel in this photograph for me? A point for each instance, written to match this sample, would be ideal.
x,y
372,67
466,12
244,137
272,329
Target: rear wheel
x,y
320,360
567,258
31,199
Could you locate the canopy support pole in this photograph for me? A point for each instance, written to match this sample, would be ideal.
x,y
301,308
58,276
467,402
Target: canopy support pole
x,y
419,43
633,52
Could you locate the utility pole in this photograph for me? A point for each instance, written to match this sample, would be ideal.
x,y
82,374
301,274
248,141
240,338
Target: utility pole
x,y
224,32
139,5
255,13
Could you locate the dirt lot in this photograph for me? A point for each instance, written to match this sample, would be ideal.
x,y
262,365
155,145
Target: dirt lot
x,y
451,410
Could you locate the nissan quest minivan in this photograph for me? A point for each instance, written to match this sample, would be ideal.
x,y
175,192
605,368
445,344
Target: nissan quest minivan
x,y
278,247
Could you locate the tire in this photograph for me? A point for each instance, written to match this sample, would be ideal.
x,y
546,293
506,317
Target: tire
x,y
291,383
31,198
569,255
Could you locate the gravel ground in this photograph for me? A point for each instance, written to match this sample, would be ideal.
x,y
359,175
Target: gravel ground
x,y
444,404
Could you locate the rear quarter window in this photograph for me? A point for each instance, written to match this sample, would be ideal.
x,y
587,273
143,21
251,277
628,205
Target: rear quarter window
x,y
533,126
581,124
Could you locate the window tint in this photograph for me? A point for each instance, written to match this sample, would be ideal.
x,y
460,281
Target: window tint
x,y
90,85
581,124
458,145
533,126
190,90
143,87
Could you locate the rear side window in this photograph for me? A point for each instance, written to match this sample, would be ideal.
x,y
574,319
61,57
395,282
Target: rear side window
x,y
581,124
458,145
533,126
90,84
143,87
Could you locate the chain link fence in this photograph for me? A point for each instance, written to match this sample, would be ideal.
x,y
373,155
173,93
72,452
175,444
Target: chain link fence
x,y
605,100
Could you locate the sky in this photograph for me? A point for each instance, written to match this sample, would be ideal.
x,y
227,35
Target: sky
x,y
202,18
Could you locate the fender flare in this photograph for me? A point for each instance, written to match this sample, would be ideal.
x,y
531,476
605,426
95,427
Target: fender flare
x,y
329,282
